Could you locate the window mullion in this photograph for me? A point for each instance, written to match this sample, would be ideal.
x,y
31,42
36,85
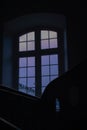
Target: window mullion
x,y
38,64
61,52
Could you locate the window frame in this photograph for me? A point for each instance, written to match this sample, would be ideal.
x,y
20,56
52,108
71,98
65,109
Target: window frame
x,y
59,51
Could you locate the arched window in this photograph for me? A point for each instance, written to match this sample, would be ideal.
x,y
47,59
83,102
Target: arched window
x,y
38,60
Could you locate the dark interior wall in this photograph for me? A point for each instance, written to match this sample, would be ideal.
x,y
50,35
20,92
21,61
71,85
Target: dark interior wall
x,y
76,38
1,29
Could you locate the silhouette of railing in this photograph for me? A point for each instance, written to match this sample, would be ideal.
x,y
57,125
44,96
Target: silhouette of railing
x,y
27,90
4,124
17,107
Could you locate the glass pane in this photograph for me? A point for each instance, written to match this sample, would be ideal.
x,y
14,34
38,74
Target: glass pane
x,y
45,70
53,77
31,46
31,36
22,62
44,34
22,85
45,80
53,34
31,82
31,91
22,89
53,69
22,72
31,61
22,82
22,46
43,88
31,71
45,60
53,43
53,59
44,44
22,38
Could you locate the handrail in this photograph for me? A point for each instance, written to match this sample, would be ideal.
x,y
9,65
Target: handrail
x,y
9,123
18,93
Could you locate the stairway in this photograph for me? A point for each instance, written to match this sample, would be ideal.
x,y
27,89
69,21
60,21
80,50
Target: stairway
x,y
28,112
5,125
17,107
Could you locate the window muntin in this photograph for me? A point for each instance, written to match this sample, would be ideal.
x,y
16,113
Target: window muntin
x,y
27,75
53,34
31,36
31,45
48,34
49,69
49,64
49,39
22,46
22,62
44,34
53,43
27,42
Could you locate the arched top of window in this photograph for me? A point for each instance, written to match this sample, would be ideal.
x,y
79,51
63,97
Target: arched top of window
x,y
37,20
48,40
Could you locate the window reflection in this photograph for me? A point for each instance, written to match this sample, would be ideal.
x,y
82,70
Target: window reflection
x,y
57,105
